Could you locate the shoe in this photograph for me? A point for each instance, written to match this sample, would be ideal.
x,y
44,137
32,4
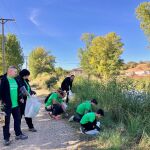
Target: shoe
x,y
50,114
21,137
71,118
82,130
66,114
33,130
7,142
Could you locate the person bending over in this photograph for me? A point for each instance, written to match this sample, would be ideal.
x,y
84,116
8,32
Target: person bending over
x,y
82,109
55,104
89,121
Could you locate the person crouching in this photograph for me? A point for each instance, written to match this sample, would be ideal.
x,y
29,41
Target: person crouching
x,y
89,121
55,104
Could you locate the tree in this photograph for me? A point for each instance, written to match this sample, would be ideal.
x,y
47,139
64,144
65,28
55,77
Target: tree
x,y
13,52
83,52
143,14
103,56
40,61
60,71
131,64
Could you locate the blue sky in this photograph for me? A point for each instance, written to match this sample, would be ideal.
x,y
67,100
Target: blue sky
x,y
57,25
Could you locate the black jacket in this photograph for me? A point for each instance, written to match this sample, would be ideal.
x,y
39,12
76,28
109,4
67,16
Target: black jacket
x,y
66,84
5,92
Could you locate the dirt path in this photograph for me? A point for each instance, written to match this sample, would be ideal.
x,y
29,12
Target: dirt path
x,y
51,135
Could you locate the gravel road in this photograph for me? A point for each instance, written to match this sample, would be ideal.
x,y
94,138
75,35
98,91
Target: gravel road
x,y
51,135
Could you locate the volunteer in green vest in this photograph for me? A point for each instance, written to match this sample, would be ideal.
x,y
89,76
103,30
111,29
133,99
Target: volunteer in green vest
x,y
23,80
55,104
82,109
89,120
9,90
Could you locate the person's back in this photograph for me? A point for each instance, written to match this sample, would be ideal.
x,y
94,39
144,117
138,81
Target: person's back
x,y
89,121
65,84
84,108
53,96
89,117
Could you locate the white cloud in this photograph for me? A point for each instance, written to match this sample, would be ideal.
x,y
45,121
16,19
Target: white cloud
x,y
34,16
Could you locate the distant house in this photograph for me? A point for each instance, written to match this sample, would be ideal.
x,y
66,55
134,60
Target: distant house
x,y
76,71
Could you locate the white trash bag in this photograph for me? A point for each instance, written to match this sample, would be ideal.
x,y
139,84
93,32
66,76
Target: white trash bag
x,y
32,107
71,95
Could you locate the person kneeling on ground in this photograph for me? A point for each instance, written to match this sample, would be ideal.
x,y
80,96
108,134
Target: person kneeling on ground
x,y
55,104
82,109
89,121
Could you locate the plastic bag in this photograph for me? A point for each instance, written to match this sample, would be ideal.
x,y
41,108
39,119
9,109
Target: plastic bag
x,y
71,95
32,107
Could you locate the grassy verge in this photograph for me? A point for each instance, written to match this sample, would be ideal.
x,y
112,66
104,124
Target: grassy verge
x,y
126,124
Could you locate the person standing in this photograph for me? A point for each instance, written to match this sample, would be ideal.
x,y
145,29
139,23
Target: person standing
x,y
66,85
23,80
9,90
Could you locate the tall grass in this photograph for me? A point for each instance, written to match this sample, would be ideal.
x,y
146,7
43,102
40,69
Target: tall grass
x,y
130,109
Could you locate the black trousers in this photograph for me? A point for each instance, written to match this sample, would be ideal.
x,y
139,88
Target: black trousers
x,y
57,109
90,125
28,120
77,117
67,98
17,122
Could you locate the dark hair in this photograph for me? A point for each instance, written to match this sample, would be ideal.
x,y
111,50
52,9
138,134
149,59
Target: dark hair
x,y
100,111
72,75
24,72
94,101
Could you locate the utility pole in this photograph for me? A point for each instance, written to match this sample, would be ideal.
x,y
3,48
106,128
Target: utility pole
x,y
26,61
3,21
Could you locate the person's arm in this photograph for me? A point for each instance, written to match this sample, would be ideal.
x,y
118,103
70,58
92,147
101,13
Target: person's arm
x,y
31,91
71,85
2,90
48,103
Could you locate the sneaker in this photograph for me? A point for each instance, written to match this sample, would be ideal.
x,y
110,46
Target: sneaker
x,y
7,142
50,114
82,130
21,137
71,118
33,130
66,115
